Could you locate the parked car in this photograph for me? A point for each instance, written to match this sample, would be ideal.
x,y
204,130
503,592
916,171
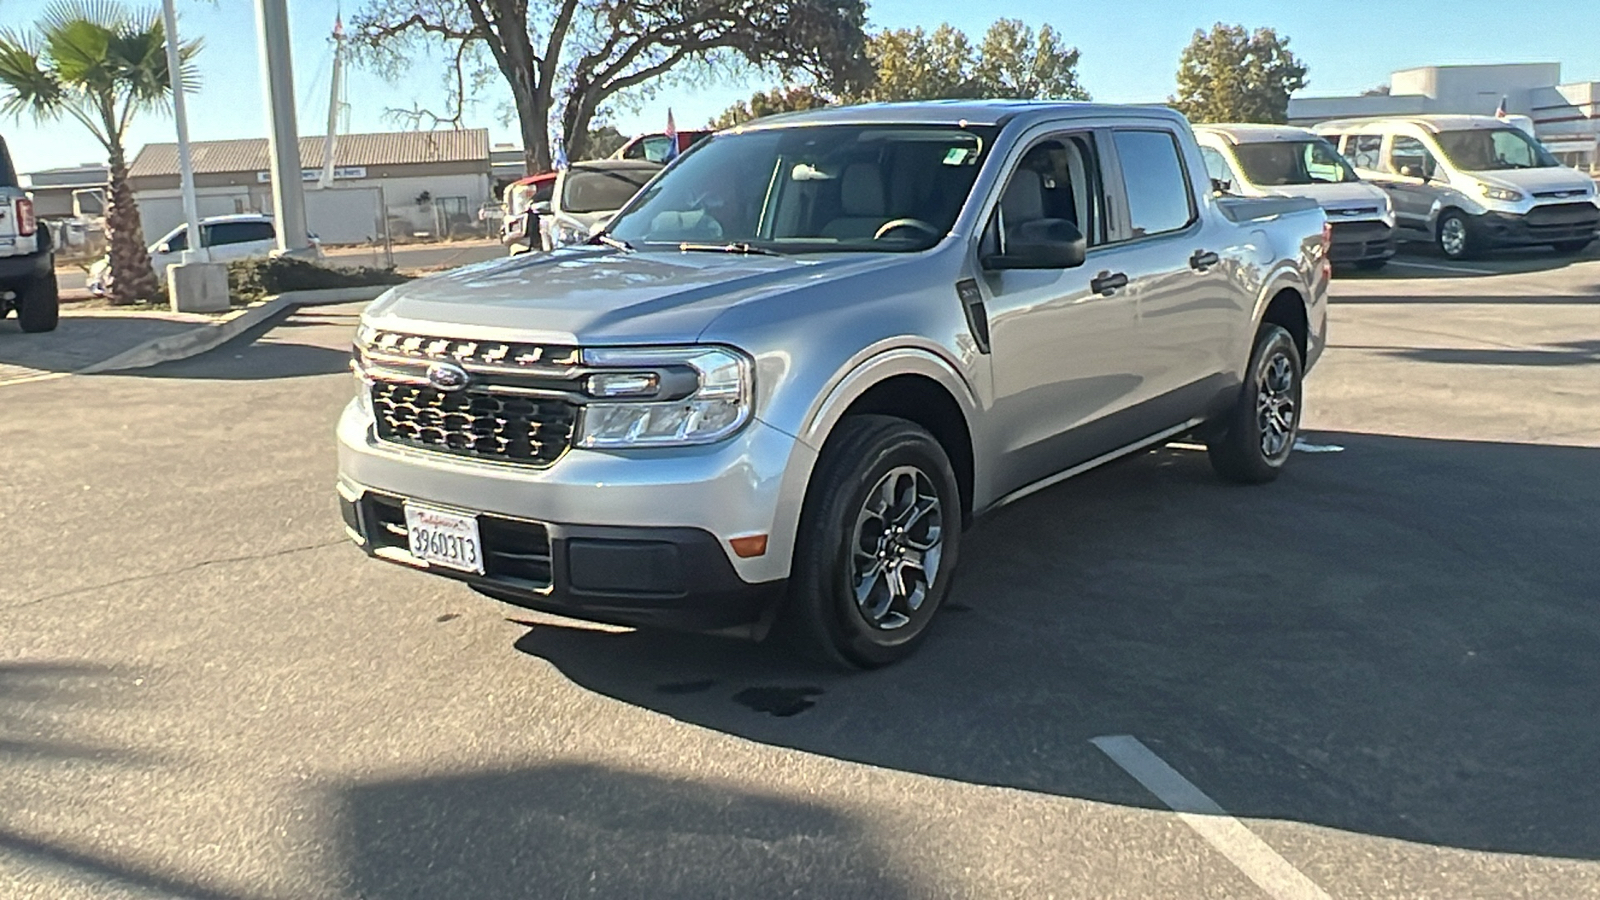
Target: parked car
x,y
518,229
774,390
657,147
27,258
246,236
1470,183
588,194
1281,161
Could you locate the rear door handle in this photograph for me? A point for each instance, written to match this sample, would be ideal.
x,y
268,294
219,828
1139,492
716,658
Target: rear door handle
x,y
1107,282
1203,260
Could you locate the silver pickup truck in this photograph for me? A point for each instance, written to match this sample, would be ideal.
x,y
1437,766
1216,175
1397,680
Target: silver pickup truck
x,y
778,386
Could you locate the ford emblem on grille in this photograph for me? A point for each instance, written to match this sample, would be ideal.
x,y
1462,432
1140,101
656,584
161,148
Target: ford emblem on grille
x,y
447,377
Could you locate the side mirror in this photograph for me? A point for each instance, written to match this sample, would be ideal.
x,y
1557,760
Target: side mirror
x,y
1042,244
542,208
1416,172
163,248
1221,186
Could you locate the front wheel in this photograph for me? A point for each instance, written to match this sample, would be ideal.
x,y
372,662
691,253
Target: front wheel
x,y
39,305
1573,246
1456,240
877,545
1261,428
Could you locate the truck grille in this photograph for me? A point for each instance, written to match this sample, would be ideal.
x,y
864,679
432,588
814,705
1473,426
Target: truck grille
x,y
1562,220
464,352
1354,241
481,424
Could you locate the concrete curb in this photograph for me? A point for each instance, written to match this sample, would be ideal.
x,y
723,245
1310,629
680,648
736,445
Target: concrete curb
x,y
211,335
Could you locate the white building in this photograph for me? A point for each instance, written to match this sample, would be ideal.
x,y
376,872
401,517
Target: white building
x,y
398,184
1566,117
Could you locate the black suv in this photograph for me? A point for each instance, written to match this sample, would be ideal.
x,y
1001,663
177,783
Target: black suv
x,y
27,259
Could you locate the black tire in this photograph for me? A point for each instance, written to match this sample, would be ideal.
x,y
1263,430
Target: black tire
x,y
1242,453
822,619
1372,265
1445,236
39,305
1572,247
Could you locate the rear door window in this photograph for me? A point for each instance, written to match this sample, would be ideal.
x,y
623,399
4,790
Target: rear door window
x,y
224,233
8,172
1157,186
1365,151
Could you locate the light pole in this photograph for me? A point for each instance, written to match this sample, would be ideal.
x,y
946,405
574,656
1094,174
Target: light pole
x,y
283,136
191,212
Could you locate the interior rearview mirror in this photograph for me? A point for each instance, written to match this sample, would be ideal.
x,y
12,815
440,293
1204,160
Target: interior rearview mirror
x,y
1042,244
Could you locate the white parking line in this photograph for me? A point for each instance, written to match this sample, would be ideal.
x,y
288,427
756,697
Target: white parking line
x,y
1259,862
1437,268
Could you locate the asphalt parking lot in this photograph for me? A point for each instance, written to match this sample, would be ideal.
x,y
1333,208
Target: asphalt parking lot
x,y
1381,672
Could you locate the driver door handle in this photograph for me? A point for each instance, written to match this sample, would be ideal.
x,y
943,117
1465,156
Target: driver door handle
x,y
1106,283
1203,260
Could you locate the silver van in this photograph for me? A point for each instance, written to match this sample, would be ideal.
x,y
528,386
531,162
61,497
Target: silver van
x,y
1282,161
1470,183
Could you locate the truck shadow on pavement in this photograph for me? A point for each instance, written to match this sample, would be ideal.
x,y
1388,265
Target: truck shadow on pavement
x,y
1396,640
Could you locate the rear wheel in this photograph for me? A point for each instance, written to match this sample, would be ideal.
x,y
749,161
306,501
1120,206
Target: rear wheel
x,y
1573,246
1261,428
1455,239
877,544
39,305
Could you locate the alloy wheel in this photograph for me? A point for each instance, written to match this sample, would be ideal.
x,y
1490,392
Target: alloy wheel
x,y
1275,405
896,547
1453,237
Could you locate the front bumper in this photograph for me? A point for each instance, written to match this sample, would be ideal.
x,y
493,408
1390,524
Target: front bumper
x,y
1361,241
1547,224
635,538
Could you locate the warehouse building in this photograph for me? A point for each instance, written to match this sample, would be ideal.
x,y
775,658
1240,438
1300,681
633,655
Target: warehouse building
x,y
1566,116
397,185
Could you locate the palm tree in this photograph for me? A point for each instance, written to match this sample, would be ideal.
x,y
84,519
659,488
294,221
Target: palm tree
x,y
101,64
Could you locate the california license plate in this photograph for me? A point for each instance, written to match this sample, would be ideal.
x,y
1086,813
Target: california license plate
x,y
442,538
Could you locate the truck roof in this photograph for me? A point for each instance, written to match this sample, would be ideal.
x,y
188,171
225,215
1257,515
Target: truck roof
x,y
1256,134
1434,124
956,112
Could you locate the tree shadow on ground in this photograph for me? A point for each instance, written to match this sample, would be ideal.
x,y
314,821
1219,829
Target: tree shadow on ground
x,y
1397,640
569,830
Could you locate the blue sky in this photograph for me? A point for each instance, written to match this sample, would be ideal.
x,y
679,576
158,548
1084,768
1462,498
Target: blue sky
x,y
1130,52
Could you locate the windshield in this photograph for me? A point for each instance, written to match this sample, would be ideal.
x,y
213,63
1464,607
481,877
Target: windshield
x,y
601,190
1293,162
813,189
1482,150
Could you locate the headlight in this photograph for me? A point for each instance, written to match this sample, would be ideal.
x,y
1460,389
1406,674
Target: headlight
x,y
564,233
1499,193
687,395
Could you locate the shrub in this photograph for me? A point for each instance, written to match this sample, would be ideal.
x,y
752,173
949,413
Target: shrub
x,y
253,279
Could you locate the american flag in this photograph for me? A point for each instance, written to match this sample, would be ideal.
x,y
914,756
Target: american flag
x,y
1500,111
672,137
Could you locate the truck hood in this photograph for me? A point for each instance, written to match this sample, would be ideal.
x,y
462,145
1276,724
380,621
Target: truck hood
x,y
590,296
1334,196
1538,181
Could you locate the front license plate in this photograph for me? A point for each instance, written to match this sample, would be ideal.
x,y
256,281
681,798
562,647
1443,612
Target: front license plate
x,y
441,538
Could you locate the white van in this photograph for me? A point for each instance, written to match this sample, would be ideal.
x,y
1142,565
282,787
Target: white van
x,y
1470,183
1280,161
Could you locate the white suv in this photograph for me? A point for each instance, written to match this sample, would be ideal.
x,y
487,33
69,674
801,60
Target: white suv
x,y
27,261
247,236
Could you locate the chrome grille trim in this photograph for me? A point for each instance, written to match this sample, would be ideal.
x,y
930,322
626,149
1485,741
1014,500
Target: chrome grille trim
x,y
479,356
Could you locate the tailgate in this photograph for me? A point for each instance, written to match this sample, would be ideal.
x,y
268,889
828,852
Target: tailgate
x,y
8,218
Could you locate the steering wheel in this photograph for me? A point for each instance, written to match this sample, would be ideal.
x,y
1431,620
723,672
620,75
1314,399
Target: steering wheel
x,y
914,224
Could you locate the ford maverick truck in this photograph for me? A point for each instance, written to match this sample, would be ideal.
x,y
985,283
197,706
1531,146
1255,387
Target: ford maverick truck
x,y
774,390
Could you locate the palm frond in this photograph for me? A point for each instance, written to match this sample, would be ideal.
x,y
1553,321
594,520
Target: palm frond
x,y
30,86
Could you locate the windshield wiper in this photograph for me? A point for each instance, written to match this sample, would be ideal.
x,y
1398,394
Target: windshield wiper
x,y
613,243
741,247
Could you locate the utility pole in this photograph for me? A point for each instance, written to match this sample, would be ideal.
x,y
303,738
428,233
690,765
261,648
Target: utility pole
x,y
336,89
283,137
191,210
